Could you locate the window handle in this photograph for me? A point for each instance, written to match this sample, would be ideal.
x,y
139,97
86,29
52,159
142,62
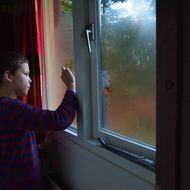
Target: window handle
x,y
89,35
88,39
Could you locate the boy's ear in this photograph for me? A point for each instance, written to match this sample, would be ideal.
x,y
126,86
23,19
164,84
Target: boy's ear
x,y
8,76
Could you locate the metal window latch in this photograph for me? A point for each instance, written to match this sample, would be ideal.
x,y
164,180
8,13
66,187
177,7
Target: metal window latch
x,y
89,35
139,159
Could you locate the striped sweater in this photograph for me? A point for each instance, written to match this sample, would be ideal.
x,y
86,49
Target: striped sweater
x,y
19,159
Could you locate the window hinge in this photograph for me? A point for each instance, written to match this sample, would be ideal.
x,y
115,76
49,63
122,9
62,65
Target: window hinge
x,y
139,159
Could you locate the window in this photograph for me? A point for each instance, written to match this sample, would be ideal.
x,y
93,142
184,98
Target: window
x,y
128,69
123,74
115,68
59,46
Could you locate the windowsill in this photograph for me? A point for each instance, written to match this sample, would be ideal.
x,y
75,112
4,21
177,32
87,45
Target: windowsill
x,y
94,147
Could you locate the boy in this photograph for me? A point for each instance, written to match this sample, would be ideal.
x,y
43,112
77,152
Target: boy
x,y
19,159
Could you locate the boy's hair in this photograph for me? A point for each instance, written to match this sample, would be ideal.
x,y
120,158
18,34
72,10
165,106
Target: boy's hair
x,y
10,61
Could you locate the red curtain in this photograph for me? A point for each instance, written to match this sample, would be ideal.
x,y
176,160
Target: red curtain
x,y
30,41
26,42
41,51
22,31
6,22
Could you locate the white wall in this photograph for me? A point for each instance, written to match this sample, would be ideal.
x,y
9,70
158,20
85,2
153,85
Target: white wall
x,y
86,166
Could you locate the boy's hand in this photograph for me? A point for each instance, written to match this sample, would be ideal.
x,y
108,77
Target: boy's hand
x,y
68,78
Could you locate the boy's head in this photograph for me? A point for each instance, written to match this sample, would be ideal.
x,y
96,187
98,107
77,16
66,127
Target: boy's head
x,y
14,74
10,61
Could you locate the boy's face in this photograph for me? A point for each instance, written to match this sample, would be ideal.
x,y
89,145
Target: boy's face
x,y
21,80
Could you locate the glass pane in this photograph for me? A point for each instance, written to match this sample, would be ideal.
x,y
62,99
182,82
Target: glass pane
x,y
59,36
63,22
128,30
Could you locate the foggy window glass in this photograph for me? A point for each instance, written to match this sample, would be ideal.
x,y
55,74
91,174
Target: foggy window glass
x,y
64,36
63,23
128,30
60,50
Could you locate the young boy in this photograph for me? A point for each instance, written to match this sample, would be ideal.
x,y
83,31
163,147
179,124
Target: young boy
x,y
19,159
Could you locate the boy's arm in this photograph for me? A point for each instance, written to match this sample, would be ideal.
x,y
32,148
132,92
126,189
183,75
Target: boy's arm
x,y
27,117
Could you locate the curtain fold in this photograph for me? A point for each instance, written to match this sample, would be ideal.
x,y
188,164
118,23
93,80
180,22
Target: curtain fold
x,y
41,48
26,42
22,30
29,38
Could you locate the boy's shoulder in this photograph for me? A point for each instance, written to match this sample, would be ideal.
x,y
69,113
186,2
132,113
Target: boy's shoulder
x,y
6,100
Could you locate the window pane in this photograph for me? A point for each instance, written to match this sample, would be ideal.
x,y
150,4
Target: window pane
x,y
129,68
59,43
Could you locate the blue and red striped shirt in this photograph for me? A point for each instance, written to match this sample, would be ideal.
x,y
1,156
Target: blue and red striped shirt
x,y
19,159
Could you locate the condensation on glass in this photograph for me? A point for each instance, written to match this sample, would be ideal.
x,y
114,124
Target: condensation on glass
x,y
63,25
128,33
60,49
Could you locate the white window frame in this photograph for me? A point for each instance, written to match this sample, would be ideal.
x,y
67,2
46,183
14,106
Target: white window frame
x,y
125,143
86,67
168,99
87,75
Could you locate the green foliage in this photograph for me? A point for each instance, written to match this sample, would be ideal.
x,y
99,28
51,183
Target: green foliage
x,y
66,5
129,51
106,4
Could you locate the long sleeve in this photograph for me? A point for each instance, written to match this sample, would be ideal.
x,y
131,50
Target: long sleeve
x,y
25,117
19,159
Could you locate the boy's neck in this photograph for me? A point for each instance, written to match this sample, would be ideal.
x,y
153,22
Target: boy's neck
x,y
4,92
